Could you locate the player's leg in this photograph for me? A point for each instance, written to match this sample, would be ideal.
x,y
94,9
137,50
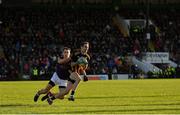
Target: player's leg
x,y
49,86
62,86
52,97
61,94
76,77
64,91
49,94
43,91
61,90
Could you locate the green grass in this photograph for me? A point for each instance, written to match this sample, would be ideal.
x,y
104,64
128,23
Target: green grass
x,y
97,97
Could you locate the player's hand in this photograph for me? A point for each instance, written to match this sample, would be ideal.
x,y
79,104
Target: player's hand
x,y
85,78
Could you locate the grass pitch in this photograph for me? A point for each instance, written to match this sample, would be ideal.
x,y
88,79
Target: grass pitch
x,y
97,97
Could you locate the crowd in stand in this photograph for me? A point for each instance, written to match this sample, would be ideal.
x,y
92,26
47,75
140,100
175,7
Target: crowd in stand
x,y
33,39
168,39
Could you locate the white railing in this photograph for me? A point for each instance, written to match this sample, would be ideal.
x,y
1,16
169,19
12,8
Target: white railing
x,y
144,66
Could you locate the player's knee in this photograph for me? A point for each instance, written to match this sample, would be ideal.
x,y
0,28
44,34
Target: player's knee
x,y
45,90
78,80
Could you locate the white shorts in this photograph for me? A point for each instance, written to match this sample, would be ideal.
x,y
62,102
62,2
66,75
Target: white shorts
x,y
58,81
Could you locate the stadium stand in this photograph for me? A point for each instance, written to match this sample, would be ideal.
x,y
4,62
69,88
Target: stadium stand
x,y
32,38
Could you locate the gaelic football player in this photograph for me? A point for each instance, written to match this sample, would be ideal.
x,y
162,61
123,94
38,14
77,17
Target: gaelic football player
x,y
60,76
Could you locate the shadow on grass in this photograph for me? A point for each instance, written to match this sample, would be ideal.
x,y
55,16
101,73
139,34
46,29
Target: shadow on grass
x,y
16,105
162,110
102,108
110,97
92,105
124,105
21,105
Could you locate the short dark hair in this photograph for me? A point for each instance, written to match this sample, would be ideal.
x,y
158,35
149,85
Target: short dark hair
x,y
66,48
82,44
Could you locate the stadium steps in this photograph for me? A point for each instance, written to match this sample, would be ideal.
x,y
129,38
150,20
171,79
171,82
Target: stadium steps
x,y
144,66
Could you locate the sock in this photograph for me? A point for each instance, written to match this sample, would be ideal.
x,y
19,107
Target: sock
x,y
72,93
52,98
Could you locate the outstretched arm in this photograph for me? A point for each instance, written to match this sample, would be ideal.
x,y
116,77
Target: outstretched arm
x,y
64,60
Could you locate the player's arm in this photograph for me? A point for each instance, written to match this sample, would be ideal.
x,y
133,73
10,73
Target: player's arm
x,y
85,78
73,64
83,72
63,60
